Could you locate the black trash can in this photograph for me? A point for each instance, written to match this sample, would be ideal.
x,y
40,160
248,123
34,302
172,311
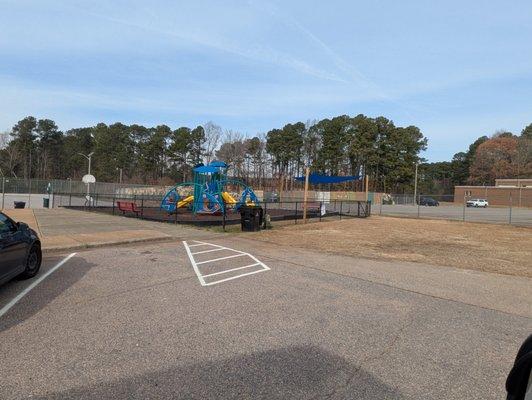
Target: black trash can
x,y
46,203
251,218
19,204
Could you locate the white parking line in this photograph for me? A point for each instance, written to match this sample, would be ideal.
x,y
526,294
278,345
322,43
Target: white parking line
x,y
208,251
232,269
221,258
9,305
201,277
198,243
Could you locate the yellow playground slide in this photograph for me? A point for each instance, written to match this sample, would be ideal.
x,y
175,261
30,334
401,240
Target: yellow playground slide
x,y
228,198
185,201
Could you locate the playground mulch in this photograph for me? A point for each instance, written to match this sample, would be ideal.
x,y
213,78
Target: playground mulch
x,y
502,249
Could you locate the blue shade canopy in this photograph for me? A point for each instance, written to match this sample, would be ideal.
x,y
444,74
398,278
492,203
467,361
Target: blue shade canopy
x,y
217,163
212,168
206,169
317,178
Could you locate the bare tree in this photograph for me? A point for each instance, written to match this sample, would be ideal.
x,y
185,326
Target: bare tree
x,y
213,135
233,152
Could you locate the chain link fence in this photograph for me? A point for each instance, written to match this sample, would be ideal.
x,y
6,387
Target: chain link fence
x,y
447,207
39,193
516,210
276,213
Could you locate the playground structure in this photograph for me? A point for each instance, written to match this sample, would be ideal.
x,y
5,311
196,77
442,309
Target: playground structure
x,y
209,190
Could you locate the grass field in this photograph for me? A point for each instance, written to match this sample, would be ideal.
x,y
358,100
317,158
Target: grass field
x,y
501,249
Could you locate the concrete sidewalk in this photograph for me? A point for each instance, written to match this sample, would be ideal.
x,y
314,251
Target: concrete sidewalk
x,y
63,229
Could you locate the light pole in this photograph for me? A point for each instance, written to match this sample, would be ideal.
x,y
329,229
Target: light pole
x,y
88,157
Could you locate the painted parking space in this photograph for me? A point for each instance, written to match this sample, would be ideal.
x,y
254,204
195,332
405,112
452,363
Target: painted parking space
x,y
214,264
32,284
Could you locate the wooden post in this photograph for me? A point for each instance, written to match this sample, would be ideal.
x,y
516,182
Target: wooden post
x,y
305,195
281,184
367,187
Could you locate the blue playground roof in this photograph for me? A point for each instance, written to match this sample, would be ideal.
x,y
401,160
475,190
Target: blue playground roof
x,y
219,164
317,178
212,168
206,169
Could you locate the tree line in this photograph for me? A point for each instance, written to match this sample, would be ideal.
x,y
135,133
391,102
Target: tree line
x,y
503,155
343,145
38,149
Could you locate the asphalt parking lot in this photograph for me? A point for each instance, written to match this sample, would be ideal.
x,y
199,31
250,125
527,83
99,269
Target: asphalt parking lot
x,y
498,215
136,322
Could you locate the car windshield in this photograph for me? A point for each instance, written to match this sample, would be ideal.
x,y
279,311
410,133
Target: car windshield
x,y
5,224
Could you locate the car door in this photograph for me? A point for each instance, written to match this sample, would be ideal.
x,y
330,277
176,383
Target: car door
x,y
12,248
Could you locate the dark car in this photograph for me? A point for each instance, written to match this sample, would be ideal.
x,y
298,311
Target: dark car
x,y
428,201
20,250
519,381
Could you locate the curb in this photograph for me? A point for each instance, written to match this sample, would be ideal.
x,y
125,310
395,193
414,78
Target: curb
x,y
55,249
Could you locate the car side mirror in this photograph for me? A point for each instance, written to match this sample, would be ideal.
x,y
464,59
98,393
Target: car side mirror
x,y
21,226
519,381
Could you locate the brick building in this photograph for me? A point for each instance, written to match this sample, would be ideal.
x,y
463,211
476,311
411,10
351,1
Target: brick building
x,y
517,192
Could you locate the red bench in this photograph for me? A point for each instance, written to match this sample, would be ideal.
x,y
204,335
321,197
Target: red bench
x,y
127,206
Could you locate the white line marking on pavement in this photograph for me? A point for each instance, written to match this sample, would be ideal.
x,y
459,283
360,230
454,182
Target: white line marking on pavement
x,y
9,305
235,277
221,258
207,251
196,269
229,270
201,277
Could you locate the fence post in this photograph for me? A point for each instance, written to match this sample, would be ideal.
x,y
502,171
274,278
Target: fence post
x,y
3,191
142,208
113,204
29,193
380,209
321,205
510,213
341,203
418,205
265,213
295,215
463,208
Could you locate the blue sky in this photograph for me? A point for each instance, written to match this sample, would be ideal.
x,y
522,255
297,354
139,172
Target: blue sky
x,y
456,69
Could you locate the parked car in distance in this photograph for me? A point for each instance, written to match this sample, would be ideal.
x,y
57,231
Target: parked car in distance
x,y
20,250
477,203
428,201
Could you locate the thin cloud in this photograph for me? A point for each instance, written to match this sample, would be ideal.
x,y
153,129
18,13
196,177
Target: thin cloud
x,y
355,76
255,53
